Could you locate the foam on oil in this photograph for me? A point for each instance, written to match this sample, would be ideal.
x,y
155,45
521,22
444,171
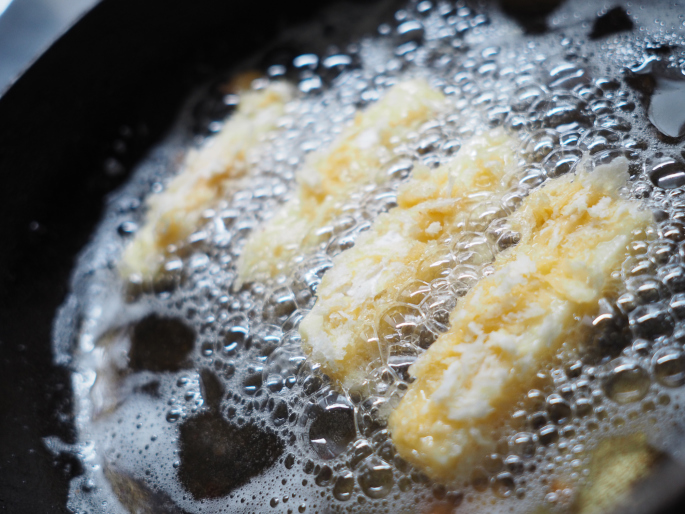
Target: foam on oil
x,y
193,398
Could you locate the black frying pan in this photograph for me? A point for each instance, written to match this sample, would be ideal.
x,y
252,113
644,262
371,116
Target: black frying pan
x,y
125,64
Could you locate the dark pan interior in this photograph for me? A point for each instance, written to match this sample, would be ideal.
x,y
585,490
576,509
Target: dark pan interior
x,y
127,63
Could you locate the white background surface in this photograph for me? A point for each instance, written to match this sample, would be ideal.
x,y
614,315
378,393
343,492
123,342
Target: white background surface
x,y
28,27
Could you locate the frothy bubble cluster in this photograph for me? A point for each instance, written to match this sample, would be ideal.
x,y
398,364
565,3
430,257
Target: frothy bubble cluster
x,y
193,398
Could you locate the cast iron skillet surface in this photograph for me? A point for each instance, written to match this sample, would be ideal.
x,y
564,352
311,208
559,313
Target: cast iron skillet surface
x,y
126,64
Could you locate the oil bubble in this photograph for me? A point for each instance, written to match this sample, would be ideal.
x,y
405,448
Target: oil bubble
x,y
626,383
669,367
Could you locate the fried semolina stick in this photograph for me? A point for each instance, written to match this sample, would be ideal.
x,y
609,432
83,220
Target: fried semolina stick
x,y
618,463
207,175
400,247
574,234
327,178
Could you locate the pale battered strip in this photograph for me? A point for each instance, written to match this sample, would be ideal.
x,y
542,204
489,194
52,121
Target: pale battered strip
x,y
574,234
399,248
617,465
328,177
208,175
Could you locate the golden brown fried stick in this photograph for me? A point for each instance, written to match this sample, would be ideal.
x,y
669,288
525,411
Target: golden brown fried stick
x,y
328,177
208,175
402,245
574,231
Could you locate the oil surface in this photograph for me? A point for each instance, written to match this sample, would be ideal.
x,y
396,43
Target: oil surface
x,y
193,398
